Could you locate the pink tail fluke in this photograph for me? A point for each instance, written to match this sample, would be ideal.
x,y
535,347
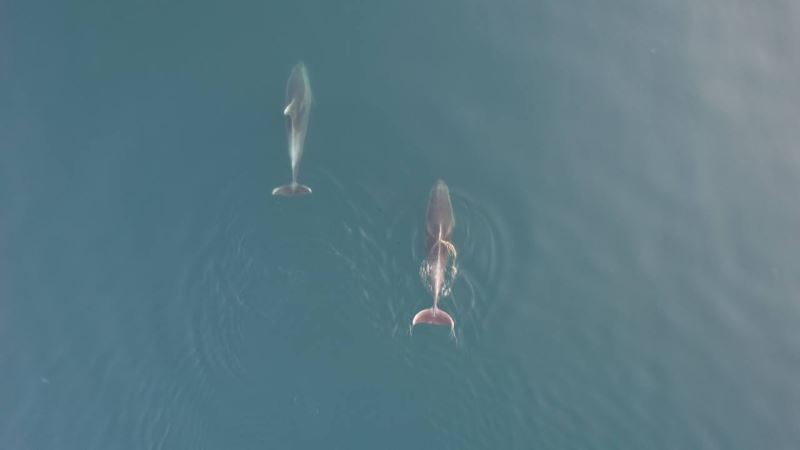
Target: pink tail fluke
x,y
434,316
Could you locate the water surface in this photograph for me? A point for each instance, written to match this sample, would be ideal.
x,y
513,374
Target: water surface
x,y
624,181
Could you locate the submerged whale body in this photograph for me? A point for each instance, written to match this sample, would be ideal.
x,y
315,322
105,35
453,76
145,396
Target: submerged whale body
x,y
439,223
298,107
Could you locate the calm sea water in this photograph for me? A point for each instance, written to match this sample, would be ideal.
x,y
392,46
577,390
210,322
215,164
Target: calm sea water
x,y
625,179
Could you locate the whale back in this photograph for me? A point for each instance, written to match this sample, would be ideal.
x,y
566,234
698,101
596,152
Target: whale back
x,y
298,94
297,109
439,220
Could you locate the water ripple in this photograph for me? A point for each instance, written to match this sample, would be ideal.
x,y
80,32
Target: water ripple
x,y
481,239
267,270
274,290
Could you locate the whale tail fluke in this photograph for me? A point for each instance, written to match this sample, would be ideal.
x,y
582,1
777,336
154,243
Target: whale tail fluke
x,y
291,190
434,316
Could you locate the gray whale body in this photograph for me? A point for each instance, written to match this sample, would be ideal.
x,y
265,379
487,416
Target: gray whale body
x,y
297,110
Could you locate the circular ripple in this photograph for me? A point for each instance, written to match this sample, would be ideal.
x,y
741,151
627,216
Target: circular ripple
x,y
267,272
481,243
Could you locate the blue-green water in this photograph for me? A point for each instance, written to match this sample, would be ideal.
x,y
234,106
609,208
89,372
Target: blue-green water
x,y
624,180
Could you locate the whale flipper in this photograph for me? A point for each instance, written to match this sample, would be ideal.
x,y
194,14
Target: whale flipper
x,y
291,190
434,316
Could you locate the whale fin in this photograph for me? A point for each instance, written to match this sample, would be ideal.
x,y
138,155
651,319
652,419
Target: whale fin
x,y
291,190
434,316
289,108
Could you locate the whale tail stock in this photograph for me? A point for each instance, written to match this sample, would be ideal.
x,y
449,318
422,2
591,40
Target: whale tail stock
x,y
434,316
293,189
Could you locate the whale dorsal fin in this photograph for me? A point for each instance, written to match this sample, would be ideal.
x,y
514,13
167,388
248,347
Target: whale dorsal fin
x,y
290,108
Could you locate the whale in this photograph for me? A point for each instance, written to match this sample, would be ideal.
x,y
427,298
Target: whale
x,y
297,109
439,224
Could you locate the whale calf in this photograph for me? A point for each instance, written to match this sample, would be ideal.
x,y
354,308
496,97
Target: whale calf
x,y
439,223
298,107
